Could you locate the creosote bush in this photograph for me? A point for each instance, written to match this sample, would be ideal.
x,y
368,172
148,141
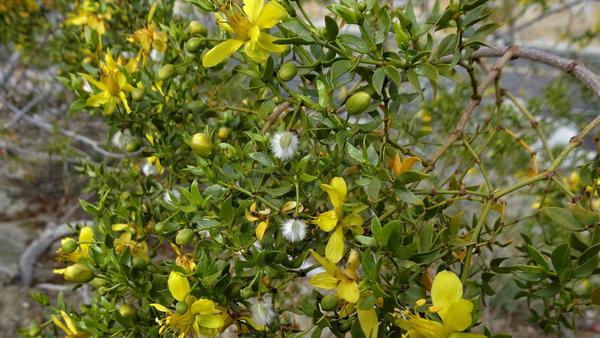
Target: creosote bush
x,y
367,174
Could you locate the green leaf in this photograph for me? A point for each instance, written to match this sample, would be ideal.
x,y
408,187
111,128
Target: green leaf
x,y
537,257
377,80
353,42
410,176
262,158
561,258
331,28
365,240
295,29
563,218
355,154
407,196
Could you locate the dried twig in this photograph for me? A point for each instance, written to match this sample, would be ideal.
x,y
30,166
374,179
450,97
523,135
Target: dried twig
x,y
273,116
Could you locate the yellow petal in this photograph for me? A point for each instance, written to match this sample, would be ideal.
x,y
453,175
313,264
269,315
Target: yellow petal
x,y
260,230
124,100
271,15
352,220
220,52
255,53
248,213
337,191
323,280
119,226
160,307
210,321
253,8
327,265
458,316
93,81
204,307
445,290
408,163
98,99
334,251
178,285
265,41
327,220
368,322
69,322
465,335
58,323
348,291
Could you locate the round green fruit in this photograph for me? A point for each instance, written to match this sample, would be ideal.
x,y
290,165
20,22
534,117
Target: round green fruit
x,y
329,303
223,133
201,144
246,292
137,94
193,45
166,72
344,325
287,72
128,312
358,102
181,308
68,245
184,236
196,28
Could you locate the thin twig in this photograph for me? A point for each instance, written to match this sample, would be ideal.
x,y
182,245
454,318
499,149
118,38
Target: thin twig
x,y
273,116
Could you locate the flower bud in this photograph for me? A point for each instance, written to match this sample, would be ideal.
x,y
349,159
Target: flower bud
x,y
201,144
361,6
78,273
287,71
196,28
358,103
184,236
166,72
329,303
193,45
344,325
128,312
139,263
68,245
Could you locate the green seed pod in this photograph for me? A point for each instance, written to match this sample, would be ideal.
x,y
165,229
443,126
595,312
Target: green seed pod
x,y
193,45
128,312
246,292
361,6
196,28
358,103
287,72
195,105
201,144
223,133
78,273
166,72
68,245
98,282
181,308
184,236
137,94
329,303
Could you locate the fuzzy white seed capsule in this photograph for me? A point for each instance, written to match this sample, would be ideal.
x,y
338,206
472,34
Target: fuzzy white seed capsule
x,y
262,310
294,230
284,145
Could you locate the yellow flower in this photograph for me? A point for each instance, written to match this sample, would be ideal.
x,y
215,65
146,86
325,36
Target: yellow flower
x,y
149,37
124,241
202,315
68,326
88,14
334,220
113,85
344,281
247,26
184,261
253,215
86,236
399,166
455,311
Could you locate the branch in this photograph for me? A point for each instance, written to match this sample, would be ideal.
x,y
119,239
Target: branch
x,y
38,247
38,122
554,10
569,66
457,134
